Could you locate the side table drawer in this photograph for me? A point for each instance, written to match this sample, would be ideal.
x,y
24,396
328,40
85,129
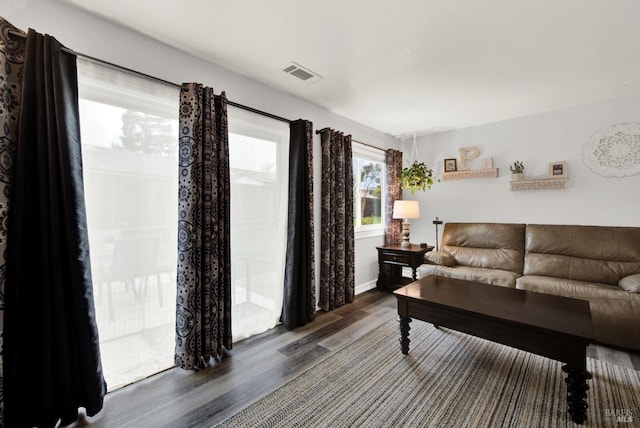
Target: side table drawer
x,y
395,258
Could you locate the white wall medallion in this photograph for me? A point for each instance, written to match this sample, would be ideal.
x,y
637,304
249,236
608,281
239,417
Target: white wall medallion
x,y
614,151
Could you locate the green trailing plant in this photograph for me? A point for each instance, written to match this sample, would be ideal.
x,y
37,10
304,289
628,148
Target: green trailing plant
x,y
418,176
517,167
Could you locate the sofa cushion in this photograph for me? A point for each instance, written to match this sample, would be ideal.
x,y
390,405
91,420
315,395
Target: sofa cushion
x,y
439,258
486,245
612,309
597,254
570,288
500,277
630,283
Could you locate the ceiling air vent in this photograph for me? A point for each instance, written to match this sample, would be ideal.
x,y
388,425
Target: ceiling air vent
x,y
302,73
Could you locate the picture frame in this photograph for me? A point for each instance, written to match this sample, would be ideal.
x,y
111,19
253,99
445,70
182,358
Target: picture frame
x,y
450,165
558,169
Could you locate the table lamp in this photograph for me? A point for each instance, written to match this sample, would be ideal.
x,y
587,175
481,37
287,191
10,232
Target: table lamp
x,y
406,210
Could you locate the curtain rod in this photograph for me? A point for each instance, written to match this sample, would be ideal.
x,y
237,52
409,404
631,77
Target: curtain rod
x,y
369,145
355,141
158,79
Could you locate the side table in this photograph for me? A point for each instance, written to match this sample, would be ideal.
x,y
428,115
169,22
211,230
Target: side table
x,y
391,260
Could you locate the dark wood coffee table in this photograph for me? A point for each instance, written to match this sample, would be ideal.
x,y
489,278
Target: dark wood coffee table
x,y
552,326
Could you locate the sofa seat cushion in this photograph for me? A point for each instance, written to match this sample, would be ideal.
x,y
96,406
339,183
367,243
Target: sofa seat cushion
x,y
610,307
570,288
500,277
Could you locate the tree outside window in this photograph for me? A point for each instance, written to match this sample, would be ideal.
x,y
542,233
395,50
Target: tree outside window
x,y
370,192
368,204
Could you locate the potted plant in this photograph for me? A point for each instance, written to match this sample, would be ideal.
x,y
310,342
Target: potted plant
x,y
417,177
517,171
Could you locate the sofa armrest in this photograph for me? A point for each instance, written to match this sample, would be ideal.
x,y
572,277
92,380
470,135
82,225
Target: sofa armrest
x,y
439,258
630,283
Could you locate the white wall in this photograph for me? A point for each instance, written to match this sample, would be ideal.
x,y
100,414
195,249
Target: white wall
x,y
537,140
101,39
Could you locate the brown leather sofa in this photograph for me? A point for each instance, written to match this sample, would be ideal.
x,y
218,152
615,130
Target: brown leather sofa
x,y
600,264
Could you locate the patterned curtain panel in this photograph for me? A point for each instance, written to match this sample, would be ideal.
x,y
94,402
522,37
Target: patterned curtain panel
x,y
337,274
51,355
299,298
203,306
392,227
12,50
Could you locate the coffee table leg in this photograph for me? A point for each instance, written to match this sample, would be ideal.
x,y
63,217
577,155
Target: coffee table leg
x,y
576,393
404,334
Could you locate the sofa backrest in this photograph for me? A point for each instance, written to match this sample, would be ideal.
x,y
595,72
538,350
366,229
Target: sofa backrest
x,y
486,245
600,254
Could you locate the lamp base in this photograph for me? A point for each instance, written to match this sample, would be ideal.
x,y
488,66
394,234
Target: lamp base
x,y
405,235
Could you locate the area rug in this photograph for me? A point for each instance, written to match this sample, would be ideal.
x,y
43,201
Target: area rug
x,y
449,379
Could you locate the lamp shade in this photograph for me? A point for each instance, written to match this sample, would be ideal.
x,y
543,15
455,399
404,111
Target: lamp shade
x,y
406,209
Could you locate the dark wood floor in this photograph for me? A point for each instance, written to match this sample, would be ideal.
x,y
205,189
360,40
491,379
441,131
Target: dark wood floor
x,y
257,366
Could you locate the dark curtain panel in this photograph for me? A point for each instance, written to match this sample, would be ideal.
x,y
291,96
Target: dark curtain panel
x,y
11,71
299,299
392,227
51,350
337,267
203,305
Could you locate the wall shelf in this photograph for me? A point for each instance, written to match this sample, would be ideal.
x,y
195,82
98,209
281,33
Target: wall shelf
x,y
470,173
540,184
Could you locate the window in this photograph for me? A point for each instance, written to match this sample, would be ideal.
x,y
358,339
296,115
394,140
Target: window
x,y
129,132
369,182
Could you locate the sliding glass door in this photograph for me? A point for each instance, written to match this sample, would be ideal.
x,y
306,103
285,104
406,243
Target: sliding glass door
x,y
129,141
259,150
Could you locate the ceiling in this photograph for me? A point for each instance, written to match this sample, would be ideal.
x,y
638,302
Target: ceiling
x,y
409,65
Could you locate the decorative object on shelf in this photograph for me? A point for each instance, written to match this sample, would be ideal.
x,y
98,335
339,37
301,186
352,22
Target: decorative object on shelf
x,y
614,151
467,153
517,167
517,170
486,163
540,184
462,171
405,210
450,165
558,169
417,177
437,221
557,178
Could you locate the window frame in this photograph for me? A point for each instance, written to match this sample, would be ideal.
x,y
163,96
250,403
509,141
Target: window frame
x,y
363,152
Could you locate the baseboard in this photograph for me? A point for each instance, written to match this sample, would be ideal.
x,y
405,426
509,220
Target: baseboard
x,y
365,287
